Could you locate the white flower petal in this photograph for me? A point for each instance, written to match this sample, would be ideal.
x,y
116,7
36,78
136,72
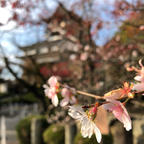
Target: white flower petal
x,y
97,133
74,115
45,86
85,127
55,100
76,112
90,131
88,127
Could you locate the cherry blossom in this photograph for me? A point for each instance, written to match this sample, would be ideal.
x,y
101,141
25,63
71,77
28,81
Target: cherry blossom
x,y
68,97
88,115
140,72
53,82
119,111
125,91
84,56
139,86
52,90
114,94
88,127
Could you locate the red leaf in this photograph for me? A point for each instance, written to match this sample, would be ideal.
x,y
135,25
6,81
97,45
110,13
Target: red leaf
x,y
3,3
16,4
15,17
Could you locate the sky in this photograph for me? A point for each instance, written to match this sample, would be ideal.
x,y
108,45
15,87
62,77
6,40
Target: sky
x,y
31,34
26,35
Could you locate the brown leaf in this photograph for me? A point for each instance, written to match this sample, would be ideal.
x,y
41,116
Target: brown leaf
x,y
102,120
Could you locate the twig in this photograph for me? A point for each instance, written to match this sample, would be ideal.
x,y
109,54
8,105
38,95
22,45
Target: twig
x,y
83,93
89,94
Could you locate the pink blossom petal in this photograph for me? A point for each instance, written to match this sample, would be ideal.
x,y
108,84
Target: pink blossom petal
x,y
138,78
52,81
65,92
127,122
109,106
84,56
64,102
50,92
55,100
119,112
139,87
73,100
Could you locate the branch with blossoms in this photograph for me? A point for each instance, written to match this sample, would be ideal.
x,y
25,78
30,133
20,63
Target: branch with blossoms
x,y
113,101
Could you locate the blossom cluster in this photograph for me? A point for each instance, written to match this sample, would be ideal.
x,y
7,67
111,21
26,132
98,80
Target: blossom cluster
x,y
87,115
139,85
54,92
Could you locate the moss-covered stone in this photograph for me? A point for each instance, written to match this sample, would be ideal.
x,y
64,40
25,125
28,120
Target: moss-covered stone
x,y
54,134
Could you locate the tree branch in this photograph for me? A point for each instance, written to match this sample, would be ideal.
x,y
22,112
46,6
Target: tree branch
x,y
31,88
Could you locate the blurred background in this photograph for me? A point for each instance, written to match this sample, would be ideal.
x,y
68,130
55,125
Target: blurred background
x,y
89,44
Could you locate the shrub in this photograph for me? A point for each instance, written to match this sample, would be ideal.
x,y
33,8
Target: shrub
x,y
54,134
23,129
107,139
